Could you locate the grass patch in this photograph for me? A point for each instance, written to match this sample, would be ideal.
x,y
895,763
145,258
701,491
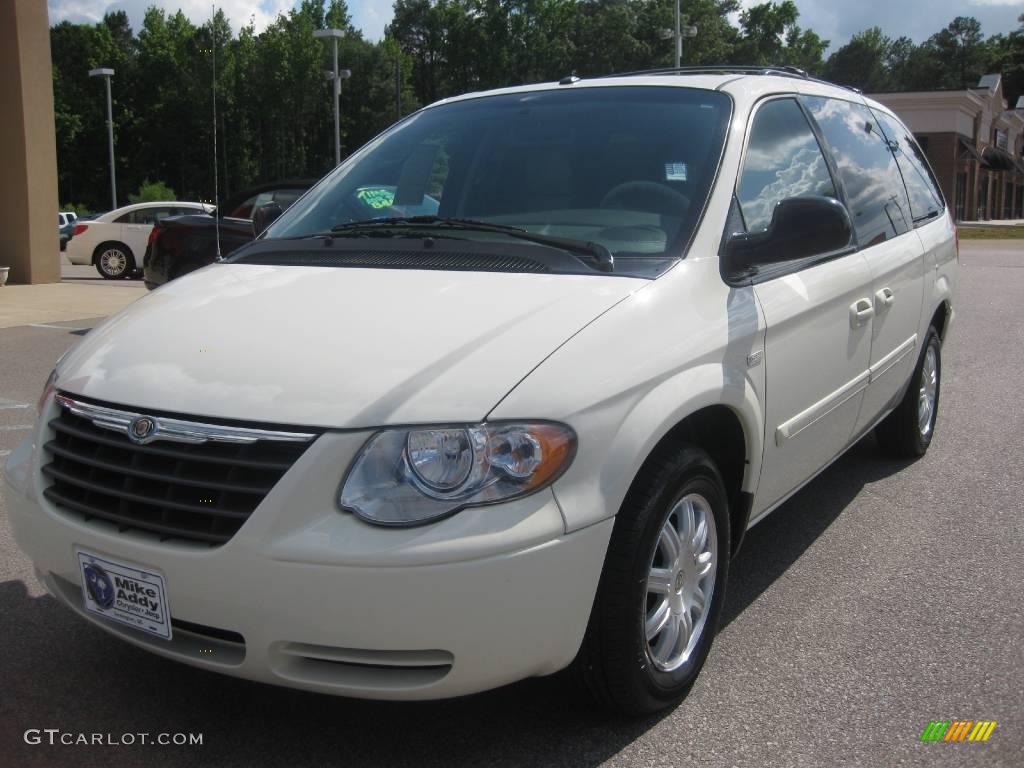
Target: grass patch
x,y
991,233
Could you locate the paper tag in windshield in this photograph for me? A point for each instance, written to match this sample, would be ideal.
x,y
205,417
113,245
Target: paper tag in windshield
x,y
675,171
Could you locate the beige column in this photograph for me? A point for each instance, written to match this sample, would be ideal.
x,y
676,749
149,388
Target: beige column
x,y
29,244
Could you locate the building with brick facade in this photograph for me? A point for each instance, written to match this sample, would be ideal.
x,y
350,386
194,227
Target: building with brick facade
x,y
974,143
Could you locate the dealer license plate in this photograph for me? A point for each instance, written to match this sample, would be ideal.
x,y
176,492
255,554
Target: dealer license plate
x,y
125,594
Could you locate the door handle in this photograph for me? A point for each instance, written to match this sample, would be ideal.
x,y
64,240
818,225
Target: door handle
x,y
861,311
884,297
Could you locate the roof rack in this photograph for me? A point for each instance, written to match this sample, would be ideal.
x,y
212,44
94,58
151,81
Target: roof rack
x,y
783,70
719,69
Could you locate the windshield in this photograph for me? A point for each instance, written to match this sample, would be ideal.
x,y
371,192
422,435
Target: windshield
x,y
628,168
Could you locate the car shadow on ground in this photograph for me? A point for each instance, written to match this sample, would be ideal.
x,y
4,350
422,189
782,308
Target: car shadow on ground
x,y
774,544
60,672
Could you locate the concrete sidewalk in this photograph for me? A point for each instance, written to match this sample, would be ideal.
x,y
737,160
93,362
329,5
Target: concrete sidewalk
x,y
68,300
992,223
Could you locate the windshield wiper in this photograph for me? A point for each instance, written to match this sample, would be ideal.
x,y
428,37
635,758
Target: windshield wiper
x,y
602,257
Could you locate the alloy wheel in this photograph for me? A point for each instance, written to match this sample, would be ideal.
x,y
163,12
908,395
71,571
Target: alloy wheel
x,y
681,582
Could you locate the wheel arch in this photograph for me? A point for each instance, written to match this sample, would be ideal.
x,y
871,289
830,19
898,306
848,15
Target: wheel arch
x,y
941,318
707,406
717,430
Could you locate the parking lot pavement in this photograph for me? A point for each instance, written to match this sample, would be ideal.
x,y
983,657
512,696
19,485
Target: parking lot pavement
x,y
81,293
881,597
85,274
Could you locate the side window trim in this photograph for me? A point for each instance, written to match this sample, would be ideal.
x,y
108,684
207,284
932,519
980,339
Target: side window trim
x,y
829,163
932,183
797,265
830,152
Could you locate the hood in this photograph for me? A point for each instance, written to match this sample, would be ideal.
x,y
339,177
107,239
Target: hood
x,y
331,347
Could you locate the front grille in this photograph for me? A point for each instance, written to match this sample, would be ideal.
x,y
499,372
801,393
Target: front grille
x,y
197,492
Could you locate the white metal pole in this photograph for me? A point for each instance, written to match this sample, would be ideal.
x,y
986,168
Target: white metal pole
x,y
679,39
216,180
337,107
110,142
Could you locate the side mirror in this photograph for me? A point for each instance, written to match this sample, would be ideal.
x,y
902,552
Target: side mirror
x,y
264,216
800,227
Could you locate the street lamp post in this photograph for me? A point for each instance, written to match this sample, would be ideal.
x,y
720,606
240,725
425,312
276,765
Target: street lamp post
x,y
106,73
337,75
679,39
679,33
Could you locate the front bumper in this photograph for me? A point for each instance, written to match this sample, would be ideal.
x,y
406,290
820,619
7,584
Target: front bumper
x,y
309,597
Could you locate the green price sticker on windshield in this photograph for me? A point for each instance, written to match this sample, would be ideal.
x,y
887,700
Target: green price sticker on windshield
x,y
376,197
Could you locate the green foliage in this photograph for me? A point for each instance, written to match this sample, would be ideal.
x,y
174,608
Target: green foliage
x,y
955,57
77,208
274,112
152,192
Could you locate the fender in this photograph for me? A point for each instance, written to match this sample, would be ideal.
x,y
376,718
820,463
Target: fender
x,y
615,383
647,422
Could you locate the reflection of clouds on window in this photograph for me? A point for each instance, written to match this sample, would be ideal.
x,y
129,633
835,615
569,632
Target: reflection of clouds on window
x,y
925,199
783,160
874,187
825,110
874,199
766,156
805,175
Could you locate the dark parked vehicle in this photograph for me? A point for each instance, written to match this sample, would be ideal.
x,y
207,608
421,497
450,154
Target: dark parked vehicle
x,y
65,228
182,244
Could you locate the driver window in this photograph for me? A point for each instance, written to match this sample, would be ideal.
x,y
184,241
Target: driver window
x,y
783,160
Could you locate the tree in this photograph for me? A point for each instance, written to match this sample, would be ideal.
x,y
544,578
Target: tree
x,y
274,111
863,62
152,192
770,35
961,50
1005,54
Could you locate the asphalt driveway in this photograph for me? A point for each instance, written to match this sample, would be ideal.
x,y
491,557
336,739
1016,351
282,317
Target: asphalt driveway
x,y
881,597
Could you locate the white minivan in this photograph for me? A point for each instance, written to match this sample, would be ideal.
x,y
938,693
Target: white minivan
x,y
418,456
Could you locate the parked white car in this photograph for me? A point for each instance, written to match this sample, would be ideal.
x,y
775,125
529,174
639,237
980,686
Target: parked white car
x,y
116,241
412,457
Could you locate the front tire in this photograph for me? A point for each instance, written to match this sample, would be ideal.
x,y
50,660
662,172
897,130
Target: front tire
x,y
113,261
907,431
662,587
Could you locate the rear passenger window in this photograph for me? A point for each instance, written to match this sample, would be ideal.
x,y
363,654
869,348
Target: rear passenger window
x,y
144,216
926,200
877,199
783,160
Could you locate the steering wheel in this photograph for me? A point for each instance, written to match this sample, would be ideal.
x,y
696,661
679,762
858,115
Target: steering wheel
x,y
647,196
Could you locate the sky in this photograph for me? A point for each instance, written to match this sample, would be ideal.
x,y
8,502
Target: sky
x,y
834,20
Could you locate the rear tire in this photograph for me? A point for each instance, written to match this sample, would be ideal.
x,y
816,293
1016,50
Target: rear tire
x,y
655,615
907,431
113,261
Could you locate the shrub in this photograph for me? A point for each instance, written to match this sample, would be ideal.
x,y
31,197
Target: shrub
x,y
152,192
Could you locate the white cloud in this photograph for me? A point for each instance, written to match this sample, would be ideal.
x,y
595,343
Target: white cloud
x,y
371,16
837,22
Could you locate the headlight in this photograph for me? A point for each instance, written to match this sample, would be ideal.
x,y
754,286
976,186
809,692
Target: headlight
x,y
413,476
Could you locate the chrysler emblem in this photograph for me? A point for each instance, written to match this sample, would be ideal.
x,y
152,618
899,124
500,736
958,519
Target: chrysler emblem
x,y
141,429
